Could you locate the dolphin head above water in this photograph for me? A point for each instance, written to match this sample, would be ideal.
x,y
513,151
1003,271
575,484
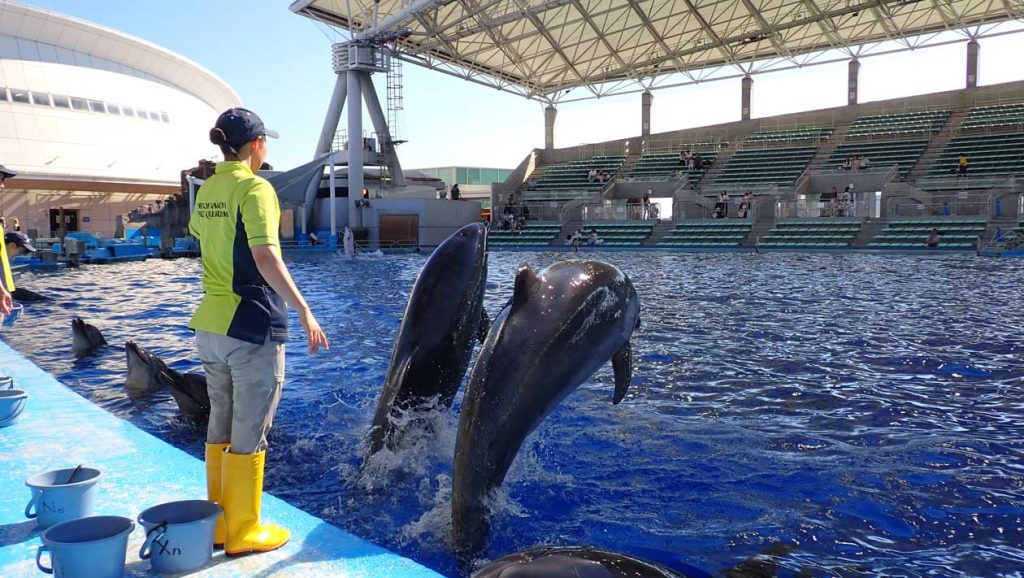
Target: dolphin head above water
x,y
144,369
576,562
85,338
442,319
559,327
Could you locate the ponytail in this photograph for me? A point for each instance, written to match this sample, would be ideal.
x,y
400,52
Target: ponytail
x,y
220,139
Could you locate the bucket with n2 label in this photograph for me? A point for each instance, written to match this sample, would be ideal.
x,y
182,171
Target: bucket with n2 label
x,y
86,548
62,495
179,535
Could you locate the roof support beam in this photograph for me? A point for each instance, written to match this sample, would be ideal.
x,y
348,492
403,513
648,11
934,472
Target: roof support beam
x,y
555,45
724,48
679,66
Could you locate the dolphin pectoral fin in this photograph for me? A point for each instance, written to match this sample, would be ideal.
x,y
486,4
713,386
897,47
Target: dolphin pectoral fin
x,y
526,283
485,325
622,366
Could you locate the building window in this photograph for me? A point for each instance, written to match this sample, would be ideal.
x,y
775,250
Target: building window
x,y
164,117
79,104
3,94
113,109
127,110
96,106
154,116
61,101
19,96
41,98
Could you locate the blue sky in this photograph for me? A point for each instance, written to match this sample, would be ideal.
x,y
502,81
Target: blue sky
x,y
279,63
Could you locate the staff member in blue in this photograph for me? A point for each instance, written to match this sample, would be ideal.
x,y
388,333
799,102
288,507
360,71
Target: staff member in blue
x,y
241,326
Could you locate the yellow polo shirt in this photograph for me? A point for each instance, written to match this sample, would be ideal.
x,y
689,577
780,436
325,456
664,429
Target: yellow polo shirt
x,y
6,276
235,211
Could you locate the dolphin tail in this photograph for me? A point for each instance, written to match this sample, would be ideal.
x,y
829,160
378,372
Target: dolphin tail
x,y
485,325
622,365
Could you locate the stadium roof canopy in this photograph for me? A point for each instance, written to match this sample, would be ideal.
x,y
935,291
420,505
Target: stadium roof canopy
x,y
543,48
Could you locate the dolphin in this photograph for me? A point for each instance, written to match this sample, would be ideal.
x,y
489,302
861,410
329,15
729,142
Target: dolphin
x,y
445,314
85,338
558,328
577,562
147,374
26,296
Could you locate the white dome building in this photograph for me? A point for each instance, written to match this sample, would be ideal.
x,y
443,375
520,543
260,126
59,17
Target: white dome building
x,y
82,110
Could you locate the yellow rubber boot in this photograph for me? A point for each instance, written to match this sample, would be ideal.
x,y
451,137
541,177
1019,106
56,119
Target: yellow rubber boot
x,y
243,496
214,467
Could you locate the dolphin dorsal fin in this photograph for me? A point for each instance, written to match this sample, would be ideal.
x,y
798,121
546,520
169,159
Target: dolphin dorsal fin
x,y
526,283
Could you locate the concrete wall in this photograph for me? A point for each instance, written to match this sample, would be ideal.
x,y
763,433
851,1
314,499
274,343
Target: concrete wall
x,y
437,218
97,212
734,132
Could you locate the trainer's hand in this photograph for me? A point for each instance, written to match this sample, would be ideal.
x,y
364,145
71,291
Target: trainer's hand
x,y
6,303
314,335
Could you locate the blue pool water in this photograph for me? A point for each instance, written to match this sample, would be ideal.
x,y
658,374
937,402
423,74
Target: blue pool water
x,y
865,409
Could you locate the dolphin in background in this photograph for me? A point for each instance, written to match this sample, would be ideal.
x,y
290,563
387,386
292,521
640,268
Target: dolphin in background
x,y
444,316
148,374
85,338
27,296
560,326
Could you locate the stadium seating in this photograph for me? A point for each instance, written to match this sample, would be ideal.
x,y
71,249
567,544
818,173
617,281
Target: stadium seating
x,y
709,234
658,166
620,234
1001,116
903,154
535,234
897,125
779,166
957,232
567,180
813,134
812,233
987,155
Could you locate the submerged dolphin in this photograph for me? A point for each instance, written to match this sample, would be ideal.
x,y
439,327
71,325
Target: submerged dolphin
x,y
85,338
558,328
576,562
26,296
147,373
443,317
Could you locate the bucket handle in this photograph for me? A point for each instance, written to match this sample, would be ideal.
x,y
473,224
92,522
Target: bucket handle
x,y
156,533
33,503
39,559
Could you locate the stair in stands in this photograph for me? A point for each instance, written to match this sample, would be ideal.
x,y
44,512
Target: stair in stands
x,y
825,151
724,155
936,145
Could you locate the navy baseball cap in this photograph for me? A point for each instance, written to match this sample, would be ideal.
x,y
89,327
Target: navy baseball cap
x,y
20,239
241,126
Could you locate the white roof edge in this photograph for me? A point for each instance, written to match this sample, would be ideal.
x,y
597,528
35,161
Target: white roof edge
x,y
228,97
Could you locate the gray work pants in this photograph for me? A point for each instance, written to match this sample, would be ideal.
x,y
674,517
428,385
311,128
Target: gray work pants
x,y
244,381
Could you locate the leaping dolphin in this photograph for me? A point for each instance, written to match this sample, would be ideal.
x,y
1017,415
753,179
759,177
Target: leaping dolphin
x,y
147,374
85,338
444,315
576,562
558,328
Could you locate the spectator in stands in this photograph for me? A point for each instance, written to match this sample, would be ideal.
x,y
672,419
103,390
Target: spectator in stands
x,y
933,238
961,164
592,175
575,239
855,164
698,161
847,164
456,193
748,201
832,208
526,213
313,239
722,206
865,162
594,240
647,205
845,202
16,224
531,184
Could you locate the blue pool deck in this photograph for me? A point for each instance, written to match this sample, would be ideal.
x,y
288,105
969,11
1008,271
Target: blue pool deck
x,y
60,429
